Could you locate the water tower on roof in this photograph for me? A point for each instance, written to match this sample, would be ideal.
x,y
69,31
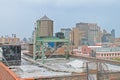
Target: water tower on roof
x,y
44,27
44,34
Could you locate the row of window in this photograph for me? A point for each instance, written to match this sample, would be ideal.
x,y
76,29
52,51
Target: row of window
x,y
109,54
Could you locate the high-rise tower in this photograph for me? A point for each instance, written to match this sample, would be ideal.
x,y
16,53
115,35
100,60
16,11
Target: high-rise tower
x,y
86,34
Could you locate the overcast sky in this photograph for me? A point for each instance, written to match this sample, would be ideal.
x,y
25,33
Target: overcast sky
x,y
18,16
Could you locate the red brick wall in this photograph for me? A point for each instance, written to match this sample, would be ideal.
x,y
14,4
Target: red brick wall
x,y
85,50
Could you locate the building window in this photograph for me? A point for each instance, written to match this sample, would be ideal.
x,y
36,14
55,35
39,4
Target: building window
x,y
84,49
107,54
104,54
101,54
118,54
110,54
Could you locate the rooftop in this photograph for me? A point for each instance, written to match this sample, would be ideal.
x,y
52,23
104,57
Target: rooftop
x,y
54,67
45,18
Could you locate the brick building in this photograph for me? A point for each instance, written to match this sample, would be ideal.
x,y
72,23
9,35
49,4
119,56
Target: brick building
x,y
9,40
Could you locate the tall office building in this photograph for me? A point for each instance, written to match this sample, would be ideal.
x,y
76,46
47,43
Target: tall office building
x,y
108,37
113,33
44,27
76,36
66,32
87,34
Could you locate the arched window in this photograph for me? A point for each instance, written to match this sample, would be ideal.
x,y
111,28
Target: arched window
x,y
101,54
104,54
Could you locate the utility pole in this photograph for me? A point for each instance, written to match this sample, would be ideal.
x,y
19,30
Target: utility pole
x,y
34,44
97,74
87,71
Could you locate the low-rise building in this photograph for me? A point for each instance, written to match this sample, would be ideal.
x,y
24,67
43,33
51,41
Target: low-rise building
x,y
9,40
98,51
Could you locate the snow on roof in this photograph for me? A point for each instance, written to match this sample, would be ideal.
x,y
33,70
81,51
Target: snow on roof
x,y
94,46
76,63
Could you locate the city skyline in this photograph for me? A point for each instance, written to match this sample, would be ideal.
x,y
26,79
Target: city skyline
x,y
18,16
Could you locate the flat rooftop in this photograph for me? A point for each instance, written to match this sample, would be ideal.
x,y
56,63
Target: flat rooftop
x,y
52,67
30,68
